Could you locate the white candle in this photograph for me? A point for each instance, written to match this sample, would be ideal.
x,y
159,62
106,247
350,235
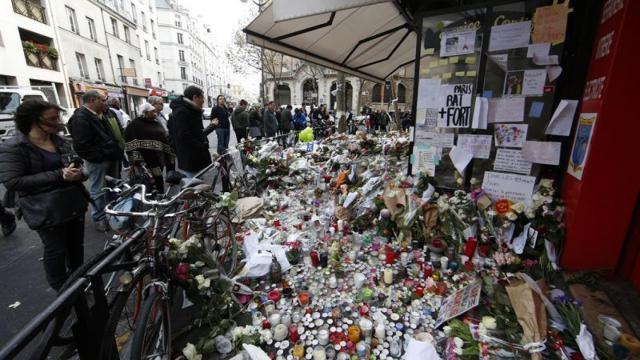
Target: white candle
x,y
388,276
323,337
380,333
444,261
319,353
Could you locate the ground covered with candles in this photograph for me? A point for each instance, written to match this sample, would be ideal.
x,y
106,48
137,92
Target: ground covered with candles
x,y
350,258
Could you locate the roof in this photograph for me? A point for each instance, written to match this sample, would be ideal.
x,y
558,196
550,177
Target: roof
x,y
371,41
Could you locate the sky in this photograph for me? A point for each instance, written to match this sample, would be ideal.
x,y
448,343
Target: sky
x,y
225,18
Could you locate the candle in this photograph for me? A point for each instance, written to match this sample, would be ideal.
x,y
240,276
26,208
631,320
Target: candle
x,y
388,276
274,319
298,350
354,333
315,258
293,333
333,282
280,332
319,353
361,349
404,258
323,337
358,280
303,297
366,326
380,332
444,262
470,247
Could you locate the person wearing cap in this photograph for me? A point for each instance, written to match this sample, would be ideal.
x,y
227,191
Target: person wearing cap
x,y
147,142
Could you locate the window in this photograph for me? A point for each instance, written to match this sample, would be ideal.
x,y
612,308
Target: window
x,y
181,55
92,29
402,90
159,79
99,68
178,21
73,22
121,66
153,28
114,28
127,34
146,48
183,73
132,64
143,20
139,45
180,39
134,13
82,65
155,52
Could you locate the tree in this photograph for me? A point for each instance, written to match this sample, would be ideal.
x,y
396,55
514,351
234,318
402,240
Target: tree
x,y
314,72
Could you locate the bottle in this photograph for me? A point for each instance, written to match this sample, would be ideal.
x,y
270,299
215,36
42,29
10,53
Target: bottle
x,y
276,271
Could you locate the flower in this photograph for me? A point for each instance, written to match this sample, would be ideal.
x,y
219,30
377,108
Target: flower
x,y
518,207
489,322
503,206
191,353
512,216
203,283
546,183
182,271
447,330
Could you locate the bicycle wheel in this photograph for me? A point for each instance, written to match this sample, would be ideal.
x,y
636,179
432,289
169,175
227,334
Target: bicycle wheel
x,y
219,240
125,310
152,335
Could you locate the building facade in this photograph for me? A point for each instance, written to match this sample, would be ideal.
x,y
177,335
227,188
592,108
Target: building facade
x,y
31,27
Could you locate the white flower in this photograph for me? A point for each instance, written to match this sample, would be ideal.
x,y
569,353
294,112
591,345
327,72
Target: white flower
x,y
459,342
512,216
459,181
236,332
198,264
191,353
203,283
546,183
265,335
518,207
489,322
530,214
174,241
535,197
447,330
492,213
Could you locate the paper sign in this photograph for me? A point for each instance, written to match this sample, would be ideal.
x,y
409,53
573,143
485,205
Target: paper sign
x,y
536,109
428,93
429,51
439,140
421,350
433,64
446,76
534,81
457,42
562,118
553,72
546,60
510,135
471,73
471,60
459,73
542,152
550,24
510,36
506,110
443,62
538,50
460,158
511,160
480,111
581,145
425,158
520,241
517,188
454,105
478,145
459,302
453,60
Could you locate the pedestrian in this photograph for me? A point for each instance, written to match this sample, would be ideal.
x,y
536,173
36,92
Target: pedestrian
x,y
8,221
406,121
384,121
285,124
299,120
158,104
123,117
240,120
147,142
95,143
187,132
46,174
269,120
220,118
255,123
118,133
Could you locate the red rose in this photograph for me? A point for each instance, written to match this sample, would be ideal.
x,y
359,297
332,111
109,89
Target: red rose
x,y
182,271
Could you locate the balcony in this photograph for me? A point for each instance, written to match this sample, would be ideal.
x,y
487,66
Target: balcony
x,y
30,9
41,56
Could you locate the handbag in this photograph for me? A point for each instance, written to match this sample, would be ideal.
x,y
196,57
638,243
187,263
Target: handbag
x,y
40,211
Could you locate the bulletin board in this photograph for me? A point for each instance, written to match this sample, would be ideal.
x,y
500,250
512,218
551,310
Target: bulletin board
x,y
485,106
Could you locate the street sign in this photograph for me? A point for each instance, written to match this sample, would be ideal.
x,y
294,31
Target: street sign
x,y
129,72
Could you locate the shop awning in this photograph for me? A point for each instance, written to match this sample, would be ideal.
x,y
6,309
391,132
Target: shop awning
x,y
369,41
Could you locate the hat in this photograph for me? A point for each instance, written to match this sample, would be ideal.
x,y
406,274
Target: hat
x,y
146,107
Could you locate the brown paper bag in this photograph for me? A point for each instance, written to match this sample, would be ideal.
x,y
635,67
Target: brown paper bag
x,y
530,311
394,198
430,215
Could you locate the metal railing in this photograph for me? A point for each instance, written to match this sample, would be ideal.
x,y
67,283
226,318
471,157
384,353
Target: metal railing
x,y
40,60
30,9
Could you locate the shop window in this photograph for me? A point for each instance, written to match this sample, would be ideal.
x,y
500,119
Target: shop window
x,y
376,93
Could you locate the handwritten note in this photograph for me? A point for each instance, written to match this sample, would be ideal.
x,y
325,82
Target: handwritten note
x,y
425,159
510,36
511,160
506,110
454,105
517,188
478,145
534,81
428,93
460,158
542,152
439,140
550,24
538,50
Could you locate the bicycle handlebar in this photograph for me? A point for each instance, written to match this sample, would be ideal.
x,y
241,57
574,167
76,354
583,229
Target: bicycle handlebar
x,y
143,198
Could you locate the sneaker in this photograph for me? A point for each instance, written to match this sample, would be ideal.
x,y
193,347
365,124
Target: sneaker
x,y
9,228
101,226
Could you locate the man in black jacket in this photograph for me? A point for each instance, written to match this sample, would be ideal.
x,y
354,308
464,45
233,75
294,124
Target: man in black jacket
x,y
220,118
188,135
285,124
94,141
270,121
240,120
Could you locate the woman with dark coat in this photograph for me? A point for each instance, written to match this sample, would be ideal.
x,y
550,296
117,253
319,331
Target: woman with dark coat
x,y
147,142
46,174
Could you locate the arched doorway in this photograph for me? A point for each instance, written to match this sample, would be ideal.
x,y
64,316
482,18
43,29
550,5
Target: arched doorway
x,y
282,94
349,95
402,90
310,91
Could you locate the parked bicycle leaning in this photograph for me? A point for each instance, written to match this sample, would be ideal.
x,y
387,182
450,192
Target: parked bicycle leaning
x,y
46,174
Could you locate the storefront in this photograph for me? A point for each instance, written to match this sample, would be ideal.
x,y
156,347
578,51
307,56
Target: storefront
x,y
78,88
135,97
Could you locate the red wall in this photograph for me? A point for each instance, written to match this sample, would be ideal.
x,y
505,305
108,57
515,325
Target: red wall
x,y
599,207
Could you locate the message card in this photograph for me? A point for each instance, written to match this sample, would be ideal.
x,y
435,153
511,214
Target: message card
x,y
510,135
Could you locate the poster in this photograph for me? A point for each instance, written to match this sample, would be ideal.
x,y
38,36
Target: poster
x,y
511,160
517,188
428,93
457,42
454,106
439,140
425,159
506,110
510,36
510,135
459,302
542,152
550,23
513,81
581,144
478,145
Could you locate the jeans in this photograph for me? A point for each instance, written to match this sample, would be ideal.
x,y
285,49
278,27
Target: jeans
x,y
63,250
223,140
97,173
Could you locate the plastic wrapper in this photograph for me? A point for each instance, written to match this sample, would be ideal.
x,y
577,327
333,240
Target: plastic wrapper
x,y
530,312
306,135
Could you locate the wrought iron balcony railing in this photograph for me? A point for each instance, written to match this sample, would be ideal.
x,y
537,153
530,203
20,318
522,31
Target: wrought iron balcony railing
x,y
30,9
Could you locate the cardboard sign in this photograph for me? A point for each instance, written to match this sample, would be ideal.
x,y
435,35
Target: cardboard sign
x,y
550,24
454,106
459,302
